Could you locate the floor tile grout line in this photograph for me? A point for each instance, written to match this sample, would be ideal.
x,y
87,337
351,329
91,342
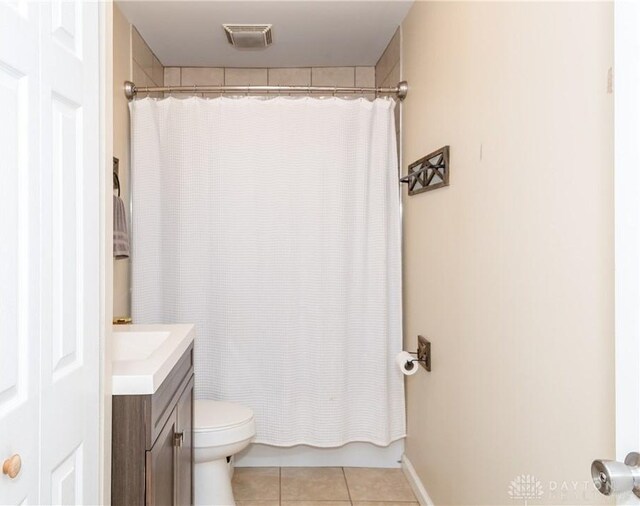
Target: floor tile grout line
x,y
344,475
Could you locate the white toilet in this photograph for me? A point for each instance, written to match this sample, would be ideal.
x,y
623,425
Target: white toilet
x,y
220,430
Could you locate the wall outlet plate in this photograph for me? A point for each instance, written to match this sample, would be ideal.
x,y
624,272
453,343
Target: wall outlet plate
x,y
424,352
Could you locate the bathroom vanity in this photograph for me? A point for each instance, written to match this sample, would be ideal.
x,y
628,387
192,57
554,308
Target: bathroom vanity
x,y
152,416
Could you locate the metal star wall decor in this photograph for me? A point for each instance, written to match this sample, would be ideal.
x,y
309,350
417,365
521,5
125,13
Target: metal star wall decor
x,y
428,173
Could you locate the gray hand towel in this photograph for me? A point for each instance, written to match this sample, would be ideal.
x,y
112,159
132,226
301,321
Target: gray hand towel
x,y
120,233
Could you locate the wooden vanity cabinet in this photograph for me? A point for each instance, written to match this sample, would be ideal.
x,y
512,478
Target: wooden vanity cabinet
x,y
152,436
184,445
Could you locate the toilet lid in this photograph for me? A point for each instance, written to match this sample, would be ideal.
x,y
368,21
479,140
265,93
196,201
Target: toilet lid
x,y
214,415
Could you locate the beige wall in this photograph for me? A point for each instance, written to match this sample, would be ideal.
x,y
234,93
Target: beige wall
x,y
121,72
134,61
509,270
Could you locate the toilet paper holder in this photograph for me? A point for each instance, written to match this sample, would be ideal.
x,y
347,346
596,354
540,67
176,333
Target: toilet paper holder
x,y
423,354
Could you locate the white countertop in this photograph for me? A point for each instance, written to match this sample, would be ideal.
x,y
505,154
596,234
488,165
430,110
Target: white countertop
x,y
143,355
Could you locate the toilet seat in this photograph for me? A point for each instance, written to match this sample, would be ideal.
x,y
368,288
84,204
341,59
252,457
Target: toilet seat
x,y
217,423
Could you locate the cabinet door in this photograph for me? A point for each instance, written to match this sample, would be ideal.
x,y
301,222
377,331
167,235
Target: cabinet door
x,y
184,447
161,467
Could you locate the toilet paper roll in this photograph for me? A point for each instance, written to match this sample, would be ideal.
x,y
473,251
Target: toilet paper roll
x,y
403,359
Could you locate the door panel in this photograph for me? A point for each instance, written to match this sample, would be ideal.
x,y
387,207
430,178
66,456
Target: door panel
x,y
70,270
627,232
627,227
49,255
19,262
160,467
66,25
184,469
66,480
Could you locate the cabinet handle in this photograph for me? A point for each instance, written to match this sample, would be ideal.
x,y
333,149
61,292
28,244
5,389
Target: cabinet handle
x,y
11,466
178,438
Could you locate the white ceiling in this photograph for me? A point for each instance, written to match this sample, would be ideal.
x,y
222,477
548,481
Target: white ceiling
x,y
305,33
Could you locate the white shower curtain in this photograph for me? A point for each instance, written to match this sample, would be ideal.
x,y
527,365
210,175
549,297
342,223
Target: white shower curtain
x,y
273,225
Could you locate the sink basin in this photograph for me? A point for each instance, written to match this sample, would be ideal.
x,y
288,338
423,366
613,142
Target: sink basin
x,y
143,355
137,345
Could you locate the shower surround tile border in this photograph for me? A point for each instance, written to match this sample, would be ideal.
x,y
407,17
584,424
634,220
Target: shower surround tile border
x,y
296,76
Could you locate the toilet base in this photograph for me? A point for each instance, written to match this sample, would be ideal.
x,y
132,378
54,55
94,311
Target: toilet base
x,y
212,483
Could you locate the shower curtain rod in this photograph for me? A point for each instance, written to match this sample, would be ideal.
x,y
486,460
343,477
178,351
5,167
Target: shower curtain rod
x,y
131,90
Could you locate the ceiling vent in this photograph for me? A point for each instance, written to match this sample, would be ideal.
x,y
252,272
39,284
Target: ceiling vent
x,y
248,36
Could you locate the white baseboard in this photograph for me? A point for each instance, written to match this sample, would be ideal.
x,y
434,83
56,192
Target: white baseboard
x,y
416,483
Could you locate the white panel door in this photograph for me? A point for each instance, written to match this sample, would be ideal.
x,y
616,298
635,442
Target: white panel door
x,y
19,249
627,212
70,263
49,392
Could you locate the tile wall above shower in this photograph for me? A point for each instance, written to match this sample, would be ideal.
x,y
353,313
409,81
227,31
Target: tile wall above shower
x,y
146,69
298,76
388,72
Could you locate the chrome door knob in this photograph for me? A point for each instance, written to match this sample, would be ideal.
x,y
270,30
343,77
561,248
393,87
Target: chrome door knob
x,y
612,478
11,467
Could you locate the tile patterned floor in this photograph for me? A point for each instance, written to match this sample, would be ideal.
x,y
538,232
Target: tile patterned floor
x,y
321,486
